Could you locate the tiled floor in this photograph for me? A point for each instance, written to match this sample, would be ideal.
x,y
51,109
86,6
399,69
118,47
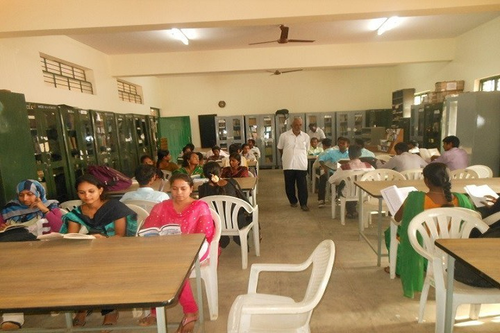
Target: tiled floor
x,y
360,297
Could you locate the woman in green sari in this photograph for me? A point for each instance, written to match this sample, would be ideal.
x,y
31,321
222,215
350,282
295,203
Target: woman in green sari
x,y
410,265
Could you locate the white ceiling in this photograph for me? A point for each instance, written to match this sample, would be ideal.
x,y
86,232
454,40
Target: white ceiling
x,y
325,32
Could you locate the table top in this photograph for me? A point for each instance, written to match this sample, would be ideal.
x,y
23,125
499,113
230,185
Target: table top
x,y
480,254
69,274
457,185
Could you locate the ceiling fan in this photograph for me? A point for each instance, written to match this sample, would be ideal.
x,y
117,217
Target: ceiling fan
x,y
284,38
278,72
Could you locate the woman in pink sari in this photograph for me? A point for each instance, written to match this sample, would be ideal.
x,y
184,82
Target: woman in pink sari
x,y
193,216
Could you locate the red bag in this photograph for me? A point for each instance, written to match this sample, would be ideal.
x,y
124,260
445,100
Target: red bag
x,y
112,179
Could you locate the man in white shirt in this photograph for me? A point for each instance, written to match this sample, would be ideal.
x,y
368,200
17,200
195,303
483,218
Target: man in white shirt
x,y
145,176
293,146
403,160
253,148
315,132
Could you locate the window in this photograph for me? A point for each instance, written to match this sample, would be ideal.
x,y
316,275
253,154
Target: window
x,y
62,75
490,84
129,92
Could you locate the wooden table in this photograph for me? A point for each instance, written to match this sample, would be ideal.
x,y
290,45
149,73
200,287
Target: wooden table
x,y
247,184
373,188
113,273
479,254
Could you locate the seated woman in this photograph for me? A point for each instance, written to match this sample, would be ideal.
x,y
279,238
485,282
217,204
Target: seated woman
x,y
164,161
193,216
102,218
235,170
40,215
410,265
190,165
218,186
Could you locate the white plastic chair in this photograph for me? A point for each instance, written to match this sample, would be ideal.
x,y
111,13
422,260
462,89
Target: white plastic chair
x,y
70,204
142,214
208,269
256,312
350,192
228,207
394,242
144,204
483,171
441,223
413,174
463,174
492,218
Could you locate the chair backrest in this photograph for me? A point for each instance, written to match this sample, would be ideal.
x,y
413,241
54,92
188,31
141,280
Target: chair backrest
x,y
413,174
63,211
142,214
382,174
441,223
322,259
492,218
384,158
166,174
463,174
70,204
228,207
144,204
483,171
214,245
250,174
350,190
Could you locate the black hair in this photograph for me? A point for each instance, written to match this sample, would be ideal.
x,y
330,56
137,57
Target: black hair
x,y
438,175
402,147
200,155
144,173
88,178
343,138
359,142
252,141
312,125
215,148
234,148
314,138
181,176
354,152
455,142
213,168
235,156
186,157
326,142
190,146
245,145
144,157
162,153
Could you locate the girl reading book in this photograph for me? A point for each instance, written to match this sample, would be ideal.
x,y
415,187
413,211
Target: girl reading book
x,y
193,216
410,265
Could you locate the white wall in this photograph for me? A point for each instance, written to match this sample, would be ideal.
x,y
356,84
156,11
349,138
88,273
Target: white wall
x,y
20,71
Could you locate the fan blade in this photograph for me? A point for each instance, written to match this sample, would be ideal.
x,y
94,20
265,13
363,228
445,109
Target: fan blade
x,y
301,40
284,35
292,70
271,41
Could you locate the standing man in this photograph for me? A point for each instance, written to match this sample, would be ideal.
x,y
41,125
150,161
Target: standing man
x,y
315,132
293,146
454,157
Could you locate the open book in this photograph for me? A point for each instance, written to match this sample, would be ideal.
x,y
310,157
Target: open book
x,y
395,196
56,235
13,226
478,194
168,229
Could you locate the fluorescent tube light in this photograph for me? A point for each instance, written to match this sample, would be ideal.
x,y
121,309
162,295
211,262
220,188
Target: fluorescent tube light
x,y
177,34
389,24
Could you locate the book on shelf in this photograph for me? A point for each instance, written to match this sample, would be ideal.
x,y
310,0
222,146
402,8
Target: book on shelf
x,y
395,196
478,194
167,229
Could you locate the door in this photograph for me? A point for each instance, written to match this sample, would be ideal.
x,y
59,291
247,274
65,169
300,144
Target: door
x,y
261,129
177,131
432,125
106,139
128,152
230,129
207,130
152,122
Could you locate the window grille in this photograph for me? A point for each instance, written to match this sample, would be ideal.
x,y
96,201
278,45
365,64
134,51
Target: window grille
x,y
65,76
490,84
129,92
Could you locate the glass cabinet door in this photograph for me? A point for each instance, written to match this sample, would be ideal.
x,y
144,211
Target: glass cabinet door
x,y
343,124
85,124
268,140
358,123
252,128
237,133
328,126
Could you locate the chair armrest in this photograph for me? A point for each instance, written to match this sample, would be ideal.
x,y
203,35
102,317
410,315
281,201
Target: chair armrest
x,y
257,268
492,218
279,308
